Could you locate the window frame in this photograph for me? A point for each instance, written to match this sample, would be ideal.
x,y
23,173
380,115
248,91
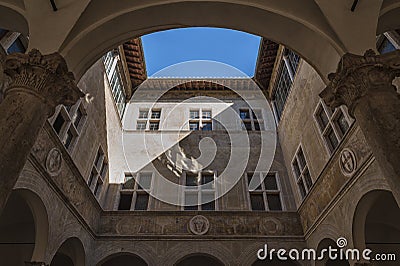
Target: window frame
x,y
137,190
199,191
301,177
264,191
200,120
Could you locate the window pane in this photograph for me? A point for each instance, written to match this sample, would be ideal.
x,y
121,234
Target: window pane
x,y
207,180
296,168
194,125
194,114
302,160
191,199
97,188
342,123
99,159
68,139
206,114
141,126
386,47
257,202
207,126
308,179
322,118
302,189
244,114
91,178
143,114
208,201
142,201
154,126
332,140
125,201
77,117
58,123
270,182
274,202
104,170
145,181
191,179
156,114
129,182
256,126
256,177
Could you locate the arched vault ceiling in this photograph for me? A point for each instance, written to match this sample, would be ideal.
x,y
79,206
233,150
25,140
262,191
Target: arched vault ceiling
x,y
319,30
309,35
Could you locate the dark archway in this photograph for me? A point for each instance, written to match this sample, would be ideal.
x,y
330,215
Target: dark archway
x,y
70,253
17,232
199,260
123,259
376,223
326,261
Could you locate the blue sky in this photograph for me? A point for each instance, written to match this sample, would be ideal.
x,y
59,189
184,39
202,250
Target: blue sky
x,y
230,49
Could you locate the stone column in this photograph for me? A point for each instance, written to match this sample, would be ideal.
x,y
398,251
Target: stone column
x,y
364,85
36,85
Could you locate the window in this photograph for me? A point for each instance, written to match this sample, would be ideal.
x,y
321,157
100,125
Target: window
x,y
67,122
203,122
98,173
287,67
141,125
143,114
113,70
332,124
155,114
152,121
301,173
135,193
266,196
199,193
385,45
251,120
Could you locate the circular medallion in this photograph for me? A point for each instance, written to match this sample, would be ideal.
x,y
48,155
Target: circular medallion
x,y
347,162
199,225
53,161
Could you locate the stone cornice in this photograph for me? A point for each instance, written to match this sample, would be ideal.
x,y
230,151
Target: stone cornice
x,y
358,76
45,76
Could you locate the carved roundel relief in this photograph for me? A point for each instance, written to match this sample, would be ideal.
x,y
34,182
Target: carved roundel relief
x,y
199,225
53,161
347,162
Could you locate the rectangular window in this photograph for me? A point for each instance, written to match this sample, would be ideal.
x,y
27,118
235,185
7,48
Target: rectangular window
x,y
154,125
141,125
125,201
206,114
194,125
142,201
143,114
207,126
199,193
194,114
332,124
264,191
155,114
301,173
250,120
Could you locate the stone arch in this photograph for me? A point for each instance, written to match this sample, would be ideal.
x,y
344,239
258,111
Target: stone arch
x,y
27,230
324,244
389,16
198,259
123,258
218,251
375,222
70,253
102,27
12,18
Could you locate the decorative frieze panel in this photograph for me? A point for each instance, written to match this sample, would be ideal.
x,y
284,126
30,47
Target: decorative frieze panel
x,y
351,155
188,223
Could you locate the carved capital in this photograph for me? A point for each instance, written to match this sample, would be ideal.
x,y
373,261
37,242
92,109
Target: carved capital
x,y
45,76
359,76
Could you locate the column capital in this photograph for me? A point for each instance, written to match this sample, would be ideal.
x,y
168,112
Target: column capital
x,y
358,76
45,76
